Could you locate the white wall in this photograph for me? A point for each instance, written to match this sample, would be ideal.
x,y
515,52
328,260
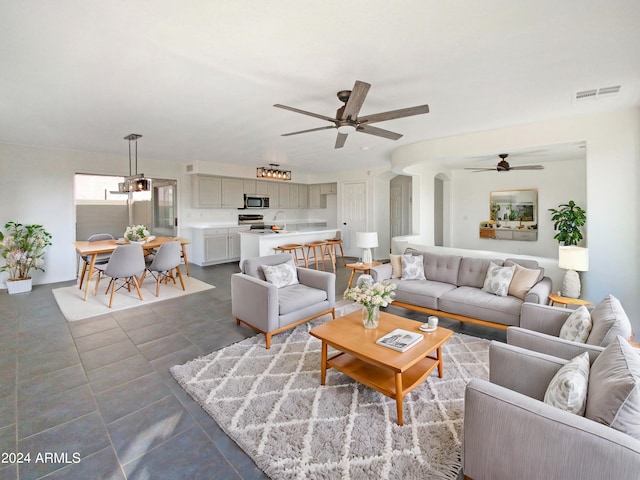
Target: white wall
x,y
612,179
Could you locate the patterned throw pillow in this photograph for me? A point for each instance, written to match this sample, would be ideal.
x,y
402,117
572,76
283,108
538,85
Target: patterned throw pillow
x,y
413,267
568,387
577,326
281,275
498,279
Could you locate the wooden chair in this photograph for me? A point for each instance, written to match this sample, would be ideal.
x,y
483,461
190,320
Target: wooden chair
x,y
320,250
293,248
334,243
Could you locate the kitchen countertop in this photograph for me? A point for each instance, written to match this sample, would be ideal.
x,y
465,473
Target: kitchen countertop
x,y
288,231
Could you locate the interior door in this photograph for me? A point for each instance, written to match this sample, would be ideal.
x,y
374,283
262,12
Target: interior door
x,y
165,218
354,215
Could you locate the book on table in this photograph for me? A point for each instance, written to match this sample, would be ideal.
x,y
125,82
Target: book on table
x,y
400,340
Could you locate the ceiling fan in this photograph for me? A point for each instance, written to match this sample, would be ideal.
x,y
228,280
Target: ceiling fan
x,y
347,120
503,166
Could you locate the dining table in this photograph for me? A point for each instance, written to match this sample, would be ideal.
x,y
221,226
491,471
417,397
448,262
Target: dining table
x,y
92,249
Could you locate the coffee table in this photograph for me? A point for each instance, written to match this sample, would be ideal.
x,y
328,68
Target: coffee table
x,y
383,369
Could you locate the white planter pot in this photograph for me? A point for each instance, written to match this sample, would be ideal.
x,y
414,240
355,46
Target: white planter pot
x,y
19,286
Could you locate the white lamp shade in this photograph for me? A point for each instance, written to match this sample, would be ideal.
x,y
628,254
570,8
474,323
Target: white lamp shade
x,y
366,239
573,258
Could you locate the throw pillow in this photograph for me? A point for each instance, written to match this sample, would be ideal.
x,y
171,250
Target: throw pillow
x,y
281,275
396,266
413,267
498,279
609,320
523,280
577,326
614,388
568,387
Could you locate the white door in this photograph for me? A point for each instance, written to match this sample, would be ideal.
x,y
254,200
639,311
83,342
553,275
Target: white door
x,y
165,214
354,215
396,210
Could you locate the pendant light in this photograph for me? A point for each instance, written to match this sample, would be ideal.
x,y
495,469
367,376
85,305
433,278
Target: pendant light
x,y
135,182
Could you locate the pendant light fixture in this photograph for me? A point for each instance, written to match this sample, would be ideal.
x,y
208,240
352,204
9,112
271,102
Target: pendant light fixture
x,y
135,182
273,172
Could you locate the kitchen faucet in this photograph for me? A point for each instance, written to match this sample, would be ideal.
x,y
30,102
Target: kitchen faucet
x,y
284,215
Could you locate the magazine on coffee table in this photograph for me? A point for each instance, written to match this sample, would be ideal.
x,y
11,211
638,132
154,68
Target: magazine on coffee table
x,y
400,340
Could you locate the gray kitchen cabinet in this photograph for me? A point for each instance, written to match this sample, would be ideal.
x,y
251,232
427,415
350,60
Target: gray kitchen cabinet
x,y
314,196
283,195
232,193
206,191
303,196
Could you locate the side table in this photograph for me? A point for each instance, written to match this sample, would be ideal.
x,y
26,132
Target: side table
x,y
556,298
361,267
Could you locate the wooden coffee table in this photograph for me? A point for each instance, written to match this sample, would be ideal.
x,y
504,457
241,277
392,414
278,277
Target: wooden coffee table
x,y
383,369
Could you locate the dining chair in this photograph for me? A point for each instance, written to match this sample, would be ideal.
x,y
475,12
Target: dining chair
x,y
125,263
165,261
102,258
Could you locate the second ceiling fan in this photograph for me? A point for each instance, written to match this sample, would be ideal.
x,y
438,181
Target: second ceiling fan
x,y
347,120
503,166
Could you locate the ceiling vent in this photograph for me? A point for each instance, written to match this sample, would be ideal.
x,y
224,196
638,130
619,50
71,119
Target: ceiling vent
x,y
595,93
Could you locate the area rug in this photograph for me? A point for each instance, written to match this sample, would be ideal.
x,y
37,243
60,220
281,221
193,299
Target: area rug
x,y
72,305
271,403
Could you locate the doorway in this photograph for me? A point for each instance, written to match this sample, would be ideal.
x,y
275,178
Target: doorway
x,y
400,205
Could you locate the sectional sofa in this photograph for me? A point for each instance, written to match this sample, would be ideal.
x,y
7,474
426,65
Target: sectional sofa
x,y
453,287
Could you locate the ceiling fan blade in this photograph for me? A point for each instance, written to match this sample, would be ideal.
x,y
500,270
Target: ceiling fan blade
x,y
481,169
379,132
304,112
306,131
342,137
356,99
401,113
528,167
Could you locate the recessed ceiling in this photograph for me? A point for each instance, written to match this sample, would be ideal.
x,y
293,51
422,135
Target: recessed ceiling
x,y
199,79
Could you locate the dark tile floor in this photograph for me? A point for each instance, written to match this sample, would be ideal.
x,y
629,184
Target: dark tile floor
x,y
94,399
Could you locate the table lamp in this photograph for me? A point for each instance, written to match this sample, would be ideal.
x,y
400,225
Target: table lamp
x,y
366,241
574,259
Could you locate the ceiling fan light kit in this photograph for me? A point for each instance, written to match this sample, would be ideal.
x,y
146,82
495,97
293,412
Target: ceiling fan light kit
x,y
273,172
347,121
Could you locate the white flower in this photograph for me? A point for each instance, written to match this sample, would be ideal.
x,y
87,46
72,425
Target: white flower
x,y
372,294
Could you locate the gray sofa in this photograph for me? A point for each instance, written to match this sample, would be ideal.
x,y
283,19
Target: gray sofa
x,y
509,432
268,309
453,288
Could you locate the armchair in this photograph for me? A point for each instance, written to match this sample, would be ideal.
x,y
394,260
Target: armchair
x,y
263,306
540,327
509,432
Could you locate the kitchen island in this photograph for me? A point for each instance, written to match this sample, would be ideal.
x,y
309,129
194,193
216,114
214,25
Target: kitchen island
x,y
258,243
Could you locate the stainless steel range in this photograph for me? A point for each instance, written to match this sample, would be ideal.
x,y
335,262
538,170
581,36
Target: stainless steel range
x,y
255,220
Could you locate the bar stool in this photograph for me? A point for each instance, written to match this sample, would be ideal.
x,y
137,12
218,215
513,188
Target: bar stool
x,y
334,243
324,251
293,248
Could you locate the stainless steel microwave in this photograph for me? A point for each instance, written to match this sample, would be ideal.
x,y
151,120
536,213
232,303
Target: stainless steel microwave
x,y
255,201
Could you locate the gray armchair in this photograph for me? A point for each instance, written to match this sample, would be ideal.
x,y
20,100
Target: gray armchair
x,y
540,326
509,432
268,309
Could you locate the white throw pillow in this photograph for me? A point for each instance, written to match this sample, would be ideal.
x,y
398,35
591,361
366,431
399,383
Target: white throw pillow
x,y
498,279
413,267
577,326
568,387
396,266
523,280
281,275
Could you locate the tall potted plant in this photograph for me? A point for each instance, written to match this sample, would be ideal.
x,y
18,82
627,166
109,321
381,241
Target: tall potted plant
x,y
568,218
22,247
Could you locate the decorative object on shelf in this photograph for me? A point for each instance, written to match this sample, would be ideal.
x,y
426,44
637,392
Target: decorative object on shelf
x,y
22,248
136,233
371,296
574,259
568,218
273,172
134,182
367,241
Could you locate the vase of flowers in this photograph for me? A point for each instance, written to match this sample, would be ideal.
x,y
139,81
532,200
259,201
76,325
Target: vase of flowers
x,y
371,296
136,233
22,248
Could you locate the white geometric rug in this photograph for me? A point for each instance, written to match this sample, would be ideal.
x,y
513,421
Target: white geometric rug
x,y
73,306
272,404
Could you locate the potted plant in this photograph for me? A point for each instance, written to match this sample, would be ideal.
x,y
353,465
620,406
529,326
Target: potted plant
x,y
136,233
22,248
568,218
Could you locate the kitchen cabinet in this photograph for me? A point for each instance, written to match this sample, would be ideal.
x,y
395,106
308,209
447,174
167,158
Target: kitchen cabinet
x,y
206,191
294,190
216,248
283,195
328,188
233,252
216,245
272,193
303,195
249,186
314,196
232,193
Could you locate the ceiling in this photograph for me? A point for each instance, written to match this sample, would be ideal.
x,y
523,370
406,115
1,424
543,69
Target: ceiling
x,y
198,79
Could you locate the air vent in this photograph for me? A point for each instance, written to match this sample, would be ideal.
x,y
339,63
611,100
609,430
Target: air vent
x,y
595,93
